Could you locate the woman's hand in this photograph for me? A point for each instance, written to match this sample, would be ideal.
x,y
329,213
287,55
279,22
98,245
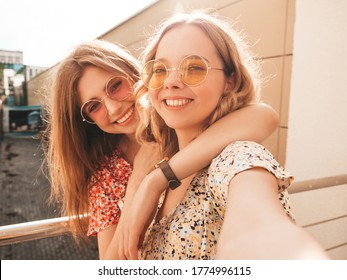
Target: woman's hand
x,y
143,209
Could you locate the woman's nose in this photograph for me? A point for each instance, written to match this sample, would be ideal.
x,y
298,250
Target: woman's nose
x,y
112,106
173,79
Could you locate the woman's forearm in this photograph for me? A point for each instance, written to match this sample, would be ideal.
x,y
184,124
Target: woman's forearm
x,y
252,123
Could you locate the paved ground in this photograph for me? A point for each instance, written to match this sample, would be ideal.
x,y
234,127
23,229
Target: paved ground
x,y
23,197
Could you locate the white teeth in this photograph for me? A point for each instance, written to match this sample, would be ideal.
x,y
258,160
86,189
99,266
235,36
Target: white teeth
x,y
176,102
127,115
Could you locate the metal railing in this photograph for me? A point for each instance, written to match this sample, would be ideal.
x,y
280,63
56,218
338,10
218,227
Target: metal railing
x,y
17,233
319,183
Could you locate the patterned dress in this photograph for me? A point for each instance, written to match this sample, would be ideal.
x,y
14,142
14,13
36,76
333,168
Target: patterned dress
x,y
107,188
191,230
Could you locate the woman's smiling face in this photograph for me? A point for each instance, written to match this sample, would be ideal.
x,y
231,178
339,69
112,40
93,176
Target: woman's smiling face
x,y
183,107
120,116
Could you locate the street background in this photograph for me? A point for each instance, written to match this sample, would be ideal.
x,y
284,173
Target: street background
x,y
24,191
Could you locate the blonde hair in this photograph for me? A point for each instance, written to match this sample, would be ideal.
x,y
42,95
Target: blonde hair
x,y
75,148
239,65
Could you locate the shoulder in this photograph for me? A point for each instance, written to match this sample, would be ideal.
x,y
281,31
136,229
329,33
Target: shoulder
x,y
112,166
242,155
114,159
244,147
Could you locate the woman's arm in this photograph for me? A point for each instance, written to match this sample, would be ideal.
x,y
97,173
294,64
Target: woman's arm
x,y
253,123
104,242
256,225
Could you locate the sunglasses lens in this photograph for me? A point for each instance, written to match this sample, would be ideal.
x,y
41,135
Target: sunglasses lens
x,y
154,74
118,88
193,70
93,111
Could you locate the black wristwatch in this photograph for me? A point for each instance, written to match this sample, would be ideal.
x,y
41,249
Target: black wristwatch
x,y
173,182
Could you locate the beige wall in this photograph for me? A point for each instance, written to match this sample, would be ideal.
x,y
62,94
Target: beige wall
x,y
323,213
317,134
38,88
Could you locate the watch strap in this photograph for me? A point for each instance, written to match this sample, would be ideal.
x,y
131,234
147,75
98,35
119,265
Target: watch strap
x,y
165,167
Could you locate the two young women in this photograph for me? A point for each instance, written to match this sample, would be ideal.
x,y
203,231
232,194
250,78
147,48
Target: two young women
x,y
93,156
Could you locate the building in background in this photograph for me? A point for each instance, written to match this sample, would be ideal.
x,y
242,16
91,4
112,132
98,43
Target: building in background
x,y
11,76
14,76
11,57
32,71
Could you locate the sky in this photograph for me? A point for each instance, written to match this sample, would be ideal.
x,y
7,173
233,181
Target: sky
x,y
45,30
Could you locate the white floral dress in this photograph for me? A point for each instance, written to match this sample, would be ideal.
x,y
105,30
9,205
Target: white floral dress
x,y
191,230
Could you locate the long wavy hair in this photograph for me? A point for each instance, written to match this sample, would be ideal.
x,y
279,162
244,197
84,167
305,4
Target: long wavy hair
x,y
238,63
74,148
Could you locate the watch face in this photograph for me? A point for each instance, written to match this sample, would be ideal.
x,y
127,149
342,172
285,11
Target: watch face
x,y
173,184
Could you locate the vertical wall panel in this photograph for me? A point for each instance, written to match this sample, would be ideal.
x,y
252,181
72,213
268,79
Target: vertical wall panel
x,y
264,22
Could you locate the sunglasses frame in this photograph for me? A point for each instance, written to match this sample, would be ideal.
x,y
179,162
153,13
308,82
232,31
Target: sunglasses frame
x,y
208,67
131,84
